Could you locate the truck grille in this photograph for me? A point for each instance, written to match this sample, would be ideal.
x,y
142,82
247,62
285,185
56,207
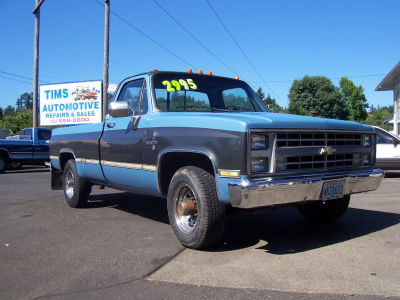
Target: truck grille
x,y
319,150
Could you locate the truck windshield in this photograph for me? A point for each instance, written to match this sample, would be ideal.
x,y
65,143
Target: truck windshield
x,y
192,92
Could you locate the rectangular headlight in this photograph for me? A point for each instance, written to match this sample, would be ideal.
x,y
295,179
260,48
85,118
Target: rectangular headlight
x,y
259,164
259,142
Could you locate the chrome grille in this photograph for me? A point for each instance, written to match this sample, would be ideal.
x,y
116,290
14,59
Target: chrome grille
x,y
319,150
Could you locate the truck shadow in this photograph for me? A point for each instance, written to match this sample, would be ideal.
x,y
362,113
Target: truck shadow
x,y
145,206
286,232
280,232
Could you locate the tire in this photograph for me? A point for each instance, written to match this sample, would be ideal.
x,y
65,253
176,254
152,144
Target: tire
x,y
76,189
200,222
325,212
15,165
3,163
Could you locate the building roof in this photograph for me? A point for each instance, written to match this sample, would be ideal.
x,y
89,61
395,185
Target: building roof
x,y
387,83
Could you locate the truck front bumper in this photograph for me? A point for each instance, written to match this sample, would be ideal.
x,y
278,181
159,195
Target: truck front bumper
x,y
252,193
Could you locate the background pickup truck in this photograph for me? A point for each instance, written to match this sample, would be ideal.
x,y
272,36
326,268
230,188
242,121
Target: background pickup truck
x,y
31,146
208,145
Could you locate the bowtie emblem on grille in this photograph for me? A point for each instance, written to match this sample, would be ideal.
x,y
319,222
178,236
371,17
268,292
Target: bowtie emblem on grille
x,y
327,151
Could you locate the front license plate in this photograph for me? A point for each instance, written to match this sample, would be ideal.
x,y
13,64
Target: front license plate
x,y
333,190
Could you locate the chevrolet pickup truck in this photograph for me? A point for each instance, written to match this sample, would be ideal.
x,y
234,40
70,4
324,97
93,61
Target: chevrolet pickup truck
x,y
30,146
209,146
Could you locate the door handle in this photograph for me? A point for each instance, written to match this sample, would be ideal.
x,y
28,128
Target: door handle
x,y
110,125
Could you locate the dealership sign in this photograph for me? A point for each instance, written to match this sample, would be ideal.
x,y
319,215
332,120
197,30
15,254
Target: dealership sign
x,y
70,103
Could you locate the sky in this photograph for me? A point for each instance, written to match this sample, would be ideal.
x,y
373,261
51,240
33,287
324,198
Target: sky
x,y
274,42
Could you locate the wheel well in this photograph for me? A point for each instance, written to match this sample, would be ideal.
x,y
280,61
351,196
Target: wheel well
x,y
64,157
171,162
5,153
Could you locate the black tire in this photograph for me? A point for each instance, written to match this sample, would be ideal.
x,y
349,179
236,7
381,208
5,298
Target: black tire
x,y
76,189
205,224
325,212
3,163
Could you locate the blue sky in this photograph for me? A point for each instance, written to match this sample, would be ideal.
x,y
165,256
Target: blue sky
x,y
284,40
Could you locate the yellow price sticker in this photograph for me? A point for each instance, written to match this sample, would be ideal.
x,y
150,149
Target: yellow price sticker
x,y
177,85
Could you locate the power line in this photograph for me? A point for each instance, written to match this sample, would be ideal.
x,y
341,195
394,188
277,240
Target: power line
x,y
146,35
13,79
19,76
332,78
241,50
194,37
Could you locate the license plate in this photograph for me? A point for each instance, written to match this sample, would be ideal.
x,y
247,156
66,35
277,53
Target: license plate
x,y
333,190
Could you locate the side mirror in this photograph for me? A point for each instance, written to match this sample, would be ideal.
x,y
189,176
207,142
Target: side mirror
x,y
118,109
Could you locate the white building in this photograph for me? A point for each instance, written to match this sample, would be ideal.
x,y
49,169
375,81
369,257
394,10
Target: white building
x,y
391,82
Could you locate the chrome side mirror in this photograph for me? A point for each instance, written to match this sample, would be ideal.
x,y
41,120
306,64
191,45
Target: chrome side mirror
x,y
118,109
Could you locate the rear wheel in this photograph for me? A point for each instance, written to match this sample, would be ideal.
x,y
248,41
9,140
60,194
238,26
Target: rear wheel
x,y
76,189
325,212
195,213
3,163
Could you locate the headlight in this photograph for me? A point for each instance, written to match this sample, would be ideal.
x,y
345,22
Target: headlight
x,y
259,142
259,164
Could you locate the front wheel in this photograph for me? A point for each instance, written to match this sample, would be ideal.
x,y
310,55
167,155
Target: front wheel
x,y
195,213
76,189
325,212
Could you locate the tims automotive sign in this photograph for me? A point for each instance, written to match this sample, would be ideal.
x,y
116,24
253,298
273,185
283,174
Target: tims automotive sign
x,y
70,103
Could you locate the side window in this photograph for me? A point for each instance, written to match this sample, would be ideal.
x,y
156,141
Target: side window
x,y
237,99
132,93
26,134
44,134
382,138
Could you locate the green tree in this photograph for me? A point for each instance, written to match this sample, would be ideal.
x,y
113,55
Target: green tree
x,y
9,111
21,120
1,113
355,100
25,101
316,96
379,116
270,102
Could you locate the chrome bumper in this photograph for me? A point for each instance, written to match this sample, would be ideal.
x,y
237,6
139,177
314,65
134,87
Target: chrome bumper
x,y
277,191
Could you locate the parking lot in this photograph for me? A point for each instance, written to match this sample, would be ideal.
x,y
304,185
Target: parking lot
x,y
122,246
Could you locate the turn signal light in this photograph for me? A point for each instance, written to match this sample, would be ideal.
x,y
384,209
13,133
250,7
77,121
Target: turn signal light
x,y
229,173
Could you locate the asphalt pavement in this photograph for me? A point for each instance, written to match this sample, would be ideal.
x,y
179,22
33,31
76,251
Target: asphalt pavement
x,y
122,247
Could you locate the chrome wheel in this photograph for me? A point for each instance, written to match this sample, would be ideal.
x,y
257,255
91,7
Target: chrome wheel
x,y
69,184
185,208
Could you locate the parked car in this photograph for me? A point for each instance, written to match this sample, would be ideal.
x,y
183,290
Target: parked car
x,y
30,146
387,150
208,144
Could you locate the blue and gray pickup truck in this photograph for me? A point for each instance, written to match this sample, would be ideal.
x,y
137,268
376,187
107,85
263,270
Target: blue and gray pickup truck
x,y
210,146
31,146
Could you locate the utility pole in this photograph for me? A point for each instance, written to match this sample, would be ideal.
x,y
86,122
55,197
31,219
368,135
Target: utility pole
x,y
35,101
106,59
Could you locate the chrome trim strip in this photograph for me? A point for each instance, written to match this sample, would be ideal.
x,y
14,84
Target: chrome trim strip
x,y
132,166
54,157
278,191
151,168
121,165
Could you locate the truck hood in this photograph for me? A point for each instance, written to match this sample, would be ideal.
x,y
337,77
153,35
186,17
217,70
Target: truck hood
x,y
287,121
242,121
